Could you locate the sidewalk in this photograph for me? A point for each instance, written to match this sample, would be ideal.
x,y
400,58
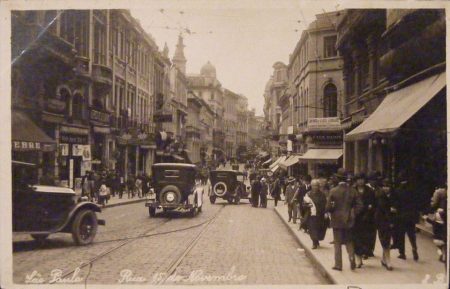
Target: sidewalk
x,y
426,270
115,201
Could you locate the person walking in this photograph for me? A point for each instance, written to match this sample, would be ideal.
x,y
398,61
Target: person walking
x,y
315,202
264,192
364,221
373,183
407,217
276,190
138,186
385,211
255,190
343,206
131,186
439,221
304,186
290,195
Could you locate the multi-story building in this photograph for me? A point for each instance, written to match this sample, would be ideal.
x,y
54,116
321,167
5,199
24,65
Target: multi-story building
x,y
395,98
311,103
255,126
194,127
242,127
230,118
273,92
206,86
82,79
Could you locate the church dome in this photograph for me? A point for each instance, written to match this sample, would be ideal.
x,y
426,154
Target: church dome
x,y
208,70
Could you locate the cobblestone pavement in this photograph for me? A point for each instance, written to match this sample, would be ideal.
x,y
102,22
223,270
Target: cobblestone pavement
x,y
243,245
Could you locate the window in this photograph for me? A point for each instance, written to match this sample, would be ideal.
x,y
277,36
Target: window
x,y
99,43
77,106
330,100
329,43
82,33
67,26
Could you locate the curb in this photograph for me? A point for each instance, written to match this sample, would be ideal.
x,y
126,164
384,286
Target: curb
x,y
323,271
124,203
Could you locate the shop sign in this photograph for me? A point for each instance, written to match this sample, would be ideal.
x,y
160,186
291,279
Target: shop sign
x,y
73,138
324,123
290,129
82,151
99,116
162,118
26,145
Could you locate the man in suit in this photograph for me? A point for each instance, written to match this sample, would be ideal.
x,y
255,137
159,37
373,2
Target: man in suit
x,y
256,190
343,205
290,199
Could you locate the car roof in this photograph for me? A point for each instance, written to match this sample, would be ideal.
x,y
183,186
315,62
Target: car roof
x,y
182,165
52,189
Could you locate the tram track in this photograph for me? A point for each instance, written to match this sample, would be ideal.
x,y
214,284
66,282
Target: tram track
x,y
146,234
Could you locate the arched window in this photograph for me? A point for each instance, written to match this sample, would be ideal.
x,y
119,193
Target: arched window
x,y
77,106
330,100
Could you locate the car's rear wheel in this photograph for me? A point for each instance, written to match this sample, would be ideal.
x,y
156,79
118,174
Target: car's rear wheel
x,y
152,211
84,227
40,238
212,199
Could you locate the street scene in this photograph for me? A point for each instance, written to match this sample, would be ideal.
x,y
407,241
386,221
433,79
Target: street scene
x,y
172,146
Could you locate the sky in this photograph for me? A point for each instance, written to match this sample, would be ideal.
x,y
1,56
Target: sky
x,y
241,41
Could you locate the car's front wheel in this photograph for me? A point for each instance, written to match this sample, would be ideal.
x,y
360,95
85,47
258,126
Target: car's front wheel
x,y
152,211
84,227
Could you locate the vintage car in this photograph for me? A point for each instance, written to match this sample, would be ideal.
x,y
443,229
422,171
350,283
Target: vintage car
x,y
228,185
43,210
267,173
174,188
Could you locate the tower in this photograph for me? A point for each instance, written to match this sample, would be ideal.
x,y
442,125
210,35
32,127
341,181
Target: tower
x,y
178,58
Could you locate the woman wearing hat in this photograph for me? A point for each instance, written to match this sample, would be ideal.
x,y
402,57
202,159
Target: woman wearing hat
x,y
364,221
315,202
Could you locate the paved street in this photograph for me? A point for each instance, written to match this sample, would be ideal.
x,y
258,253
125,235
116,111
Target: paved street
x,y
235,244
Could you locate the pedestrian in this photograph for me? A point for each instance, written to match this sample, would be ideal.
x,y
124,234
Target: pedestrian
x,y
255,191
343,204
315,202
86,186
138,185
373,183
304,187
407,217
131,186
290,199
145,184
122,185
439,221
385,211
110,183
103,194
264,192
276,190
364,220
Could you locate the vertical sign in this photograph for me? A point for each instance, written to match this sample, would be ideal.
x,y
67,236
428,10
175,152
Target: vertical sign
x,y
71,173
289,145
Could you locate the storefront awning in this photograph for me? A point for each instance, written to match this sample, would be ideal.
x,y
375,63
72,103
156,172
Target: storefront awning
x,y
280,159
397,107
289,162
322,155
275,168
26,135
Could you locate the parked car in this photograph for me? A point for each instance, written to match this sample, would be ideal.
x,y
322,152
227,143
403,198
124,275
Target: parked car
x,y
174,188
43,210
267,173
228,185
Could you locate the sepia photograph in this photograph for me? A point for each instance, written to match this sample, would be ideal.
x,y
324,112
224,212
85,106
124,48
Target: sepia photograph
x,y
217,143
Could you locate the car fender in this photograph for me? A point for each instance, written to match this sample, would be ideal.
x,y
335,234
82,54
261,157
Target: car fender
x,y
66,227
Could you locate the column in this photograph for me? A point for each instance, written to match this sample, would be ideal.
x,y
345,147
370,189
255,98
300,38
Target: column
x,y
370,151
356,58
356,157
372,42
138,160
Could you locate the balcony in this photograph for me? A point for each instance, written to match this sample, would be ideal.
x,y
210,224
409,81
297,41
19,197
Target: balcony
x,y
54,105
102,74
82,66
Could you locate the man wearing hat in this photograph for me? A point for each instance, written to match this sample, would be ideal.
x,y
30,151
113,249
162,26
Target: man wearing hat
x,y
290,193
343,205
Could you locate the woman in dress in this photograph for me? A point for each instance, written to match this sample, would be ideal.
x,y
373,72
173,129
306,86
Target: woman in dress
x,y
315,202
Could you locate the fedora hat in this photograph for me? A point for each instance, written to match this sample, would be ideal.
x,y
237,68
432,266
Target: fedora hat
x,y
290,179
340,175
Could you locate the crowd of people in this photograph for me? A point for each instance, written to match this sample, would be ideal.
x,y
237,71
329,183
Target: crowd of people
x,y
356,208
101,186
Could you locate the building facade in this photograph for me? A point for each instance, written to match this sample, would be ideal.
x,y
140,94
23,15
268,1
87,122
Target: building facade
x,y
86,83
231,101
394,78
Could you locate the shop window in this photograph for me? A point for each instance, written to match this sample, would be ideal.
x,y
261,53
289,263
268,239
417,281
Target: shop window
x,y
330,100
329,45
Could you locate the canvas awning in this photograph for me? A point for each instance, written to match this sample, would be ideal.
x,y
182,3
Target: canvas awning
x,y
322,155
280,159
289,162
397,107
26,135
